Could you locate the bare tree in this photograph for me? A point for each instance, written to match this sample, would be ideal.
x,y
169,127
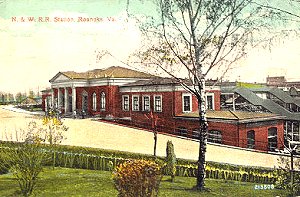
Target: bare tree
x,y
290,12
193,38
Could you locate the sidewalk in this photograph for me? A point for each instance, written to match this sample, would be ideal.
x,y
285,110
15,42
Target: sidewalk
x,y
89,133
19,110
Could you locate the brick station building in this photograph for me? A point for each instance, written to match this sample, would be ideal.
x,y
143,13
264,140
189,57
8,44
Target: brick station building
x,y
139,99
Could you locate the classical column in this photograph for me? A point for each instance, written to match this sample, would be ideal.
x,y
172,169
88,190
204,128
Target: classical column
x,y
233,102
292,131
58,99
46,104
52,98
299,130
286,130
66,100
73,99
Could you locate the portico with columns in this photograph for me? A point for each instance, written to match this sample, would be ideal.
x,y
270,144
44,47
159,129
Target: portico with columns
x,y
93,92
64,98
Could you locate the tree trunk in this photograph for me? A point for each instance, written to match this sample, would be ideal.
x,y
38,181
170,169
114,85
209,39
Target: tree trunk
x,y
155,142
202,137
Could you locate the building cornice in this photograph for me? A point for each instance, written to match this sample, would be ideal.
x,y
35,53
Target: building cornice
x,y
159,88
92,82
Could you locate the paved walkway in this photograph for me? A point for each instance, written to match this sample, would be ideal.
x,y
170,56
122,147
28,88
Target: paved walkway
x,y
90,133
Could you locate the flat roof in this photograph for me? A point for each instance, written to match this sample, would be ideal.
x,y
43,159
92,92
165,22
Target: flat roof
x,y
234,115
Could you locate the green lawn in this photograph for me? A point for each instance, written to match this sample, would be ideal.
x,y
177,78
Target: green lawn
x,y
77,182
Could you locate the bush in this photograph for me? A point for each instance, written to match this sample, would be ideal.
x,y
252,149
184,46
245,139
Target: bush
x,y
170,161
25,163
284,180
98,159
4,168
54,131
137,178
25,159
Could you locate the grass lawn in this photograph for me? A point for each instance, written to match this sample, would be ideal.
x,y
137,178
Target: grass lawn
x,y
78,182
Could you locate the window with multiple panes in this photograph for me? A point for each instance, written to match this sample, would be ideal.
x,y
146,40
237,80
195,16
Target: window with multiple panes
x,y
210,102
94,101
182,131
125,102
195,133
250,139
272,139
135,103
146,103
187,102
157,103
102,101
214,136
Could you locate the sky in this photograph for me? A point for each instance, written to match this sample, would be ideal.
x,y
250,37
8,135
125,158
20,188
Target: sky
x,y
31,53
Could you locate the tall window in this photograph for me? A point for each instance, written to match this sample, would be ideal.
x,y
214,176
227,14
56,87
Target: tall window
x,y
135,103
214,136
102,101
125,102
251,139
272,139
210,102
146,103
296,134
84,101
158,103
187,102
94,102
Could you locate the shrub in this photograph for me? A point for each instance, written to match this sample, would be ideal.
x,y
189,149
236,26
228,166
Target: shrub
x,y
54,130
137,178
170,161
4,168
25,163
284,180
26,158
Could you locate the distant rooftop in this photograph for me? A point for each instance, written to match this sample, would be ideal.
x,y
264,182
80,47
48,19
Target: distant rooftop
x,y
280,81
268,104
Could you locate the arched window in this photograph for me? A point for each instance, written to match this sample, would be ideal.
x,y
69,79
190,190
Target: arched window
x,y
84,101
272,139
94,102
250,139
102,101
214,136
